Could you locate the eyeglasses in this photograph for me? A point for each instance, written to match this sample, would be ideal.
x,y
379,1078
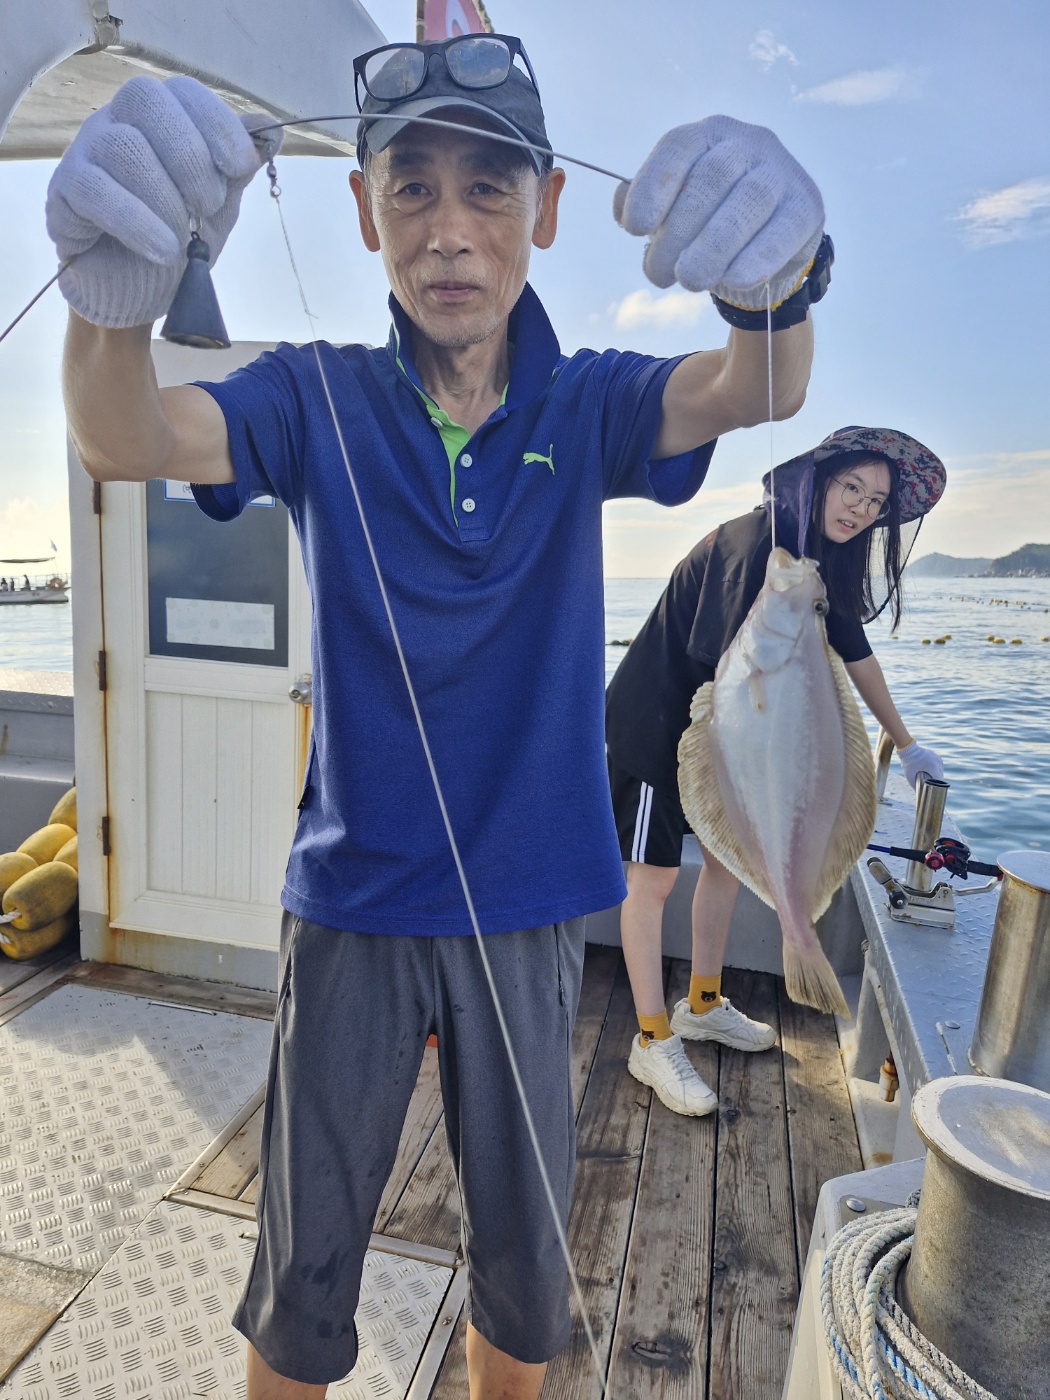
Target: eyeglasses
x,y
852,495
473,61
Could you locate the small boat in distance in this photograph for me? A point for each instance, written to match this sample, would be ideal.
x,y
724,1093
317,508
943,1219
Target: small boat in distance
x,y
20,587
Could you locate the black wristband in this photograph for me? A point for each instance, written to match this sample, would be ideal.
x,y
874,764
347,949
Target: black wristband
x,y
791,311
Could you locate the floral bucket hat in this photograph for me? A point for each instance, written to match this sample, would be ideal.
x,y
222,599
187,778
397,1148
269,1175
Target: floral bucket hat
x,y
920,475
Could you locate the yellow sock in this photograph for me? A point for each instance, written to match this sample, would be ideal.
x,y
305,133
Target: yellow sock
x,y
654,1027
705,993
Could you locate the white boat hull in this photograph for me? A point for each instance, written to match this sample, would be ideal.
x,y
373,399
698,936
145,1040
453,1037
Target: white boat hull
x,y
34,595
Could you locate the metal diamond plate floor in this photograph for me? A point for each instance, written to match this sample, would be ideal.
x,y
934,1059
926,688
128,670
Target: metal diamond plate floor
x,y
155,1322
106,1099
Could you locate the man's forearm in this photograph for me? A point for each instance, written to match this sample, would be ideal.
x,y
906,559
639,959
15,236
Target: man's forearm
x,y
113,405
715,391
745,377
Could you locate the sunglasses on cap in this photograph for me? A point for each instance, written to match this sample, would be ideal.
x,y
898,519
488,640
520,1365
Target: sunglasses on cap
x,y
473,61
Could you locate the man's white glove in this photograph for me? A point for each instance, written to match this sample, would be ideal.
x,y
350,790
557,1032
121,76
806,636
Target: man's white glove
x,y
159,159
726,209
915,760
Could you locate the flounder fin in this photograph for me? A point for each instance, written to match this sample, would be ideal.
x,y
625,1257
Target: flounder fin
x,y
856,818
811,980
702,797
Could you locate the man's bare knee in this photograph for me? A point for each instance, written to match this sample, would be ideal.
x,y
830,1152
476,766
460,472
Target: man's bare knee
x,y
493,1375
265,1384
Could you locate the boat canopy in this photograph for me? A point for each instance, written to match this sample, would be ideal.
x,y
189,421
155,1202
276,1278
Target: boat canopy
x,y
63,60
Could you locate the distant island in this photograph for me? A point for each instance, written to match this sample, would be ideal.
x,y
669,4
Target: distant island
x,y
1030,561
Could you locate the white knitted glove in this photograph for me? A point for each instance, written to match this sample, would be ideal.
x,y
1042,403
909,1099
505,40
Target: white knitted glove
x,y
122,198
726,208
915,760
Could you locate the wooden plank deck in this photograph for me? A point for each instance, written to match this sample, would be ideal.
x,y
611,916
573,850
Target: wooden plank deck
x,y
688,1235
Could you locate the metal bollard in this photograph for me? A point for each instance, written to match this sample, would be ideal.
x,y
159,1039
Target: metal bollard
x,y
883,754
1012,1037
978,1280
930,797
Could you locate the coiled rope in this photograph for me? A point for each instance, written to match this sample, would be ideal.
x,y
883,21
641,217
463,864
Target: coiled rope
x,y
877,1351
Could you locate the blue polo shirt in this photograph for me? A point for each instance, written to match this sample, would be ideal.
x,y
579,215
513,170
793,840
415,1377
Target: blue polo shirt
x,y
494,571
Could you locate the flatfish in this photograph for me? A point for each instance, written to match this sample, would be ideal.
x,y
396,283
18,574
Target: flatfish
x,y
775,771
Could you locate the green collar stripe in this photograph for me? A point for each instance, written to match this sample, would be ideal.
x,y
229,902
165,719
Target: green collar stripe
x,y
454,436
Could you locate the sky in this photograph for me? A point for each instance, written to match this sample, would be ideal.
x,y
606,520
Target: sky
x,y
927,129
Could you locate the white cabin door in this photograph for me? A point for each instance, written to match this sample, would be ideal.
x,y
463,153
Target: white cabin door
x,y
206,633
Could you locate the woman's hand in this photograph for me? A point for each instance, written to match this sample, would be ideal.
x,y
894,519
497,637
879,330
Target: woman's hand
x,y
915,760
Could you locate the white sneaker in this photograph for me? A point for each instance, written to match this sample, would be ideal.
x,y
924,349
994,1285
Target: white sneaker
x,y
723,1023
662,1064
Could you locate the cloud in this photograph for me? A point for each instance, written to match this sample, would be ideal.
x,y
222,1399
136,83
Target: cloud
x,y
765,49
1016,211
644,540
863,88
27,528
991,505
642,308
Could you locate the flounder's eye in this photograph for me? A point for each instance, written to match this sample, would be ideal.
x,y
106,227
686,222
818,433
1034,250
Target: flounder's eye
x,y
820,606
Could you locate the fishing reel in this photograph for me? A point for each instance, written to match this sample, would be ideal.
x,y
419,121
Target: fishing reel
x,y
949,854
953,855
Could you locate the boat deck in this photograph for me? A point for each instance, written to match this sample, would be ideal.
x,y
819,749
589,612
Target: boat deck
x,y
688,1234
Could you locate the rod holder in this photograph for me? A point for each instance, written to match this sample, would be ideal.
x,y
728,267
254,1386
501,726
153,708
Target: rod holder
x,y
1012,1037
978,1279
930,797
883,754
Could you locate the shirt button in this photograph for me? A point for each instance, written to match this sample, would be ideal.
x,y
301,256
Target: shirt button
x,y
436,422
466,460
469,504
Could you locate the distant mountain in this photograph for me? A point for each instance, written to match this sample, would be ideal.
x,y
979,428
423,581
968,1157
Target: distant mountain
x,y
947,566
1030,561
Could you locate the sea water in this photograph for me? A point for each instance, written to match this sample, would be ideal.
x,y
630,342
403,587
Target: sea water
x,y
983,706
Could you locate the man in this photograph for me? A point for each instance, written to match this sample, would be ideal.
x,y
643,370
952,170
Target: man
x,y
482,457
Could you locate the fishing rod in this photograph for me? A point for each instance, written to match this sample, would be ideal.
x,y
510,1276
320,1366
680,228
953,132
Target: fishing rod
x,y
197,256
948,854
451,126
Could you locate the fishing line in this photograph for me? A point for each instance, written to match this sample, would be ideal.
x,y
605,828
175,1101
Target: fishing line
x,y
275,192
451,126
371,116
769,385
30,304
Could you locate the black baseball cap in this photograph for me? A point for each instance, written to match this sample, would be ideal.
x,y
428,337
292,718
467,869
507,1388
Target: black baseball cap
x,y
513,106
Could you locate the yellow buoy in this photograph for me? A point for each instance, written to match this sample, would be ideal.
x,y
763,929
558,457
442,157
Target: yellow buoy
x,y
43,844
41,897
999,641
947,636
939,641
990,637
1015,641
13,866
65,810
19,945
1044,639
68,854
926,641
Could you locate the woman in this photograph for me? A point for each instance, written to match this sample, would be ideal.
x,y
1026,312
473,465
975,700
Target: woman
x,y
854,504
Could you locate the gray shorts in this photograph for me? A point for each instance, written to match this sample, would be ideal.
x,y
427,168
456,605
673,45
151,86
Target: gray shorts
x,y
353,1014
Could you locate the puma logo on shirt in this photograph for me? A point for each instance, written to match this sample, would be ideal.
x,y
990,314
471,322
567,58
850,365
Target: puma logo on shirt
x,y
539,457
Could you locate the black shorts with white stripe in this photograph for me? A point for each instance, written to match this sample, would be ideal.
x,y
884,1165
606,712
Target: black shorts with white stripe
x,y
649,821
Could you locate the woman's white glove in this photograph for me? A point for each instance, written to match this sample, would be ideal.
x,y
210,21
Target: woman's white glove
x,y
915,760
156,157
726,209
